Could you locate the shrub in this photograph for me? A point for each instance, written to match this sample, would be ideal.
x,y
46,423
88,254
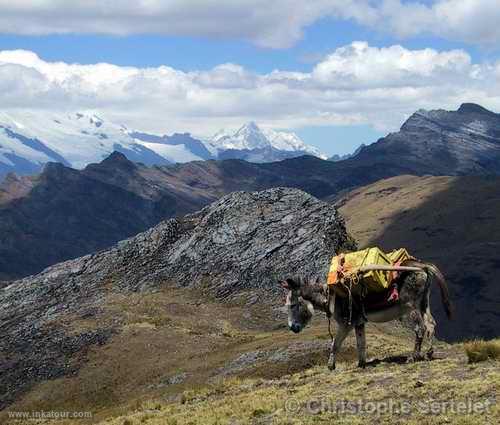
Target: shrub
x,y
480,350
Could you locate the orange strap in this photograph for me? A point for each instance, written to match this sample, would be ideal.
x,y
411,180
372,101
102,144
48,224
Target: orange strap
x,y
394,274
333,278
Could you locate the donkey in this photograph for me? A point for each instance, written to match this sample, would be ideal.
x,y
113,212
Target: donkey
x,y
304,295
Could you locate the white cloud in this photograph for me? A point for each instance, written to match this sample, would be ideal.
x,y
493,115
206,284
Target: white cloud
x,y
367,66
277,23
470,21
356,83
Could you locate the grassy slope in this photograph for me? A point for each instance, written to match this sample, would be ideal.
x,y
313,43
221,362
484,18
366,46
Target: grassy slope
x,y
309,397
398,204
177,361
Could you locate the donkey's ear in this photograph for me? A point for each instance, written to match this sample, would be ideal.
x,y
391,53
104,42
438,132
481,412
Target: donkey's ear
x,y
291,283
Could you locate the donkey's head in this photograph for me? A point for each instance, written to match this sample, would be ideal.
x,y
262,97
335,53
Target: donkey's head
x,y
300,311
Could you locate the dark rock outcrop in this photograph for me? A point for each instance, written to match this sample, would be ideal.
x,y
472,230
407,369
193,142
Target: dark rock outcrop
x,y
237,247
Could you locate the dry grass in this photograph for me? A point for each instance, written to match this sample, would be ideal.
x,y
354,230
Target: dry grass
x,y
479,350
161,335
132,379
431,393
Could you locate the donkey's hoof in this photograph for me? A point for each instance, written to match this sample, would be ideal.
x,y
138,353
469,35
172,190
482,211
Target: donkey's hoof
x,y
430,355
331,365
415,358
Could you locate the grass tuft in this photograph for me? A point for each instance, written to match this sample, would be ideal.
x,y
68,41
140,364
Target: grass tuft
x,y
260,412
479,350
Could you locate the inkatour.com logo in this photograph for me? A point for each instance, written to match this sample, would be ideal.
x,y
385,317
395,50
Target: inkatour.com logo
x,y
49,414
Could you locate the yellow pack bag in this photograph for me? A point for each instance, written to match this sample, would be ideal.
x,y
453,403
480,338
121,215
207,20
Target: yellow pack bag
x,y
344,267
397,256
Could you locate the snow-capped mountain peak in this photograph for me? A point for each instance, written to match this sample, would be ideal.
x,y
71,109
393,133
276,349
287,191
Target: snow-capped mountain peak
x,y
250,137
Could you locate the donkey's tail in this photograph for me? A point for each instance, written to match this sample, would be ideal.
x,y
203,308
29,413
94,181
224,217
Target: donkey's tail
x,y
443,288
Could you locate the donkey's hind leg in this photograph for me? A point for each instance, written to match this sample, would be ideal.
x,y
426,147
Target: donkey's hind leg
x,y
430,326
419,327
342,331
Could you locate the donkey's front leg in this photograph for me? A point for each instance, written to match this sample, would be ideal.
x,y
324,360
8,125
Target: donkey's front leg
x,y
361,344
342,331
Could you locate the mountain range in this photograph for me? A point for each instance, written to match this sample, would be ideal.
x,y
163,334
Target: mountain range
x,y
29,139
63,213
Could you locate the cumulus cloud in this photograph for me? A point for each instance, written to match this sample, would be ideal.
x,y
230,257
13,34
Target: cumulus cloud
x,y
393,66
357,83
277,23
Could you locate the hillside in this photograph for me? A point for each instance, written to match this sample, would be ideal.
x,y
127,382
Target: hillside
x,y
438,392
451,221
64,213
172,363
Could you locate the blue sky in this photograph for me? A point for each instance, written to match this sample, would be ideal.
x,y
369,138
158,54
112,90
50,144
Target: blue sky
x,y
195,53
338,128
